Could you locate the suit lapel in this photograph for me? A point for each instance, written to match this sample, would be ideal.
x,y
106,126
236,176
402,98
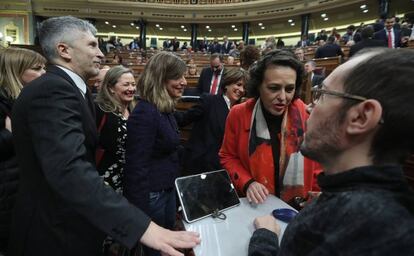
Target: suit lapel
x,y
88,110
221,111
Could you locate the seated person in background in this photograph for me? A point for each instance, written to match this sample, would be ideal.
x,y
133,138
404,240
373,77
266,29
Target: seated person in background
x,y
230,60
335,34
249,55
135,44
366,41
191,70
330,49
309,68
117,59
269,126
96,87
322,36
201,150
280,44
184,46
361,136
300,54
303,42
349,34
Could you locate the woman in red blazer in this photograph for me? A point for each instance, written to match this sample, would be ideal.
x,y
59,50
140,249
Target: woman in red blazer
x,y
263,135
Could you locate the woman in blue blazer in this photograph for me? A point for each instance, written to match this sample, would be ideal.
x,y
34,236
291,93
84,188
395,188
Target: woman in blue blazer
x,y
153,139
209,117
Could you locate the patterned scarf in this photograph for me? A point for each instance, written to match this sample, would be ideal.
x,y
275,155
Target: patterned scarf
x,y
291,161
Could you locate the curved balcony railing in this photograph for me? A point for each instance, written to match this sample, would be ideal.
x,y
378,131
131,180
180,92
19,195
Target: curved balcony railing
x,y
200,2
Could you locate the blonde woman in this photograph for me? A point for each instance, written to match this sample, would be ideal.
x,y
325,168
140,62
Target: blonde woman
x,y
113,105
17,68
153,139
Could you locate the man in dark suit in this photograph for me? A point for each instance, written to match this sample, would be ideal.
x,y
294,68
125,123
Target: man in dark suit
x,y
330,49
203,45
210,77
315,78
174,44
215,46
303,42
389,36
63,206
367,41
226,46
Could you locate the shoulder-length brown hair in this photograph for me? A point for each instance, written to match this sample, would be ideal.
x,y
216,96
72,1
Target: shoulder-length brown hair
x,y
13,63
160,68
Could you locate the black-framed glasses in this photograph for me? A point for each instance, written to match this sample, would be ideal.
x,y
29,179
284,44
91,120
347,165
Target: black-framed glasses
x,y
318,92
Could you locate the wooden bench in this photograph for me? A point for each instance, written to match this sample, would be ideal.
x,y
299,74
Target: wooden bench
x,y
328,63
411,44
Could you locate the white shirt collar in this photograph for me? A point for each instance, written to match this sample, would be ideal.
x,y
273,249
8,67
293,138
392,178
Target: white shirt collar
x,y
227,100
76,79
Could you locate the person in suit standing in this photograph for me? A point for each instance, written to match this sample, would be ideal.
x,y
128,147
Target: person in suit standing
x,y
367,41
18,67
210,77
330,49
209,117
226,46
309,68
63,206
203,45
174,44
215,46
153,140
389,35
303,42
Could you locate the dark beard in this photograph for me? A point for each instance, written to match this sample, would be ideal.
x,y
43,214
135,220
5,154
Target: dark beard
x,y
323,146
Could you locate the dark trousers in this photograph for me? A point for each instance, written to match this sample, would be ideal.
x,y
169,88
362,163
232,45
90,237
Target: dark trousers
x,y
162,212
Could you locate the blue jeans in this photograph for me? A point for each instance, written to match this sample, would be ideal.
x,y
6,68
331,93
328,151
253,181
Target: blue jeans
x,y
162,212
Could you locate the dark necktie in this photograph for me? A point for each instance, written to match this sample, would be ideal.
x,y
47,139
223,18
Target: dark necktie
x,y
89,101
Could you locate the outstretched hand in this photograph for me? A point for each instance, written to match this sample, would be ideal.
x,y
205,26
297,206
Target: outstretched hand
x,y
166,240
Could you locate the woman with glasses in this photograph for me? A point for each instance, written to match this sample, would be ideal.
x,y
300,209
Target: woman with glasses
x,y
263,135
18,67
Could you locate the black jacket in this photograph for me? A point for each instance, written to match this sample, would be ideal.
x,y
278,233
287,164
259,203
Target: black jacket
x,y
8,173
364,211
201,150
63,206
